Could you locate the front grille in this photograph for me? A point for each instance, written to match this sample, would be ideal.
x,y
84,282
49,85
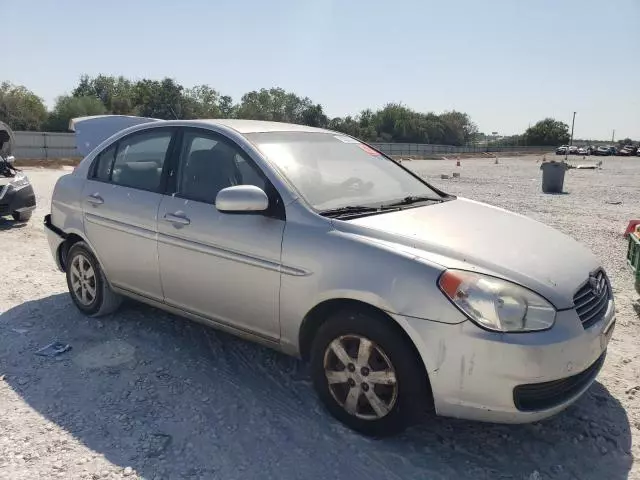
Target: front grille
x,y
541,396
592,299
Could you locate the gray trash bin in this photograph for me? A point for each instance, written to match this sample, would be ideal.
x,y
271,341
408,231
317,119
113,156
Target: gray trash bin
x,y
553,176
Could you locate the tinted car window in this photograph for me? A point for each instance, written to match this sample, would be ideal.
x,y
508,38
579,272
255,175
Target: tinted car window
x,y
104,164
209,164
140,159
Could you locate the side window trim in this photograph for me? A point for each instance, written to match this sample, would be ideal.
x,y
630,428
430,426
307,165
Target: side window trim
x,y
168,157
95,163
173,163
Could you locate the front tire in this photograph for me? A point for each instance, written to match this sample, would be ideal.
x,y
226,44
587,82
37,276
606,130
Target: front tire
x,y
367,374
87,284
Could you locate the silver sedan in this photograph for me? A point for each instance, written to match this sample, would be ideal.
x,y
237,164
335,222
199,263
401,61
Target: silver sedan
x,y
403,298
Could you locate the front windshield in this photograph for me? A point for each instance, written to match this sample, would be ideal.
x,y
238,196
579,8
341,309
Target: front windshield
x,y
332,170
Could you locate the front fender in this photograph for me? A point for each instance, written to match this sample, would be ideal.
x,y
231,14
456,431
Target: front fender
x,y
341,265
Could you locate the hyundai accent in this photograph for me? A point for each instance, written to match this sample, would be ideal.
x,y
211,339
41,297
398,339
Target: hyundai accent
x,y
403,298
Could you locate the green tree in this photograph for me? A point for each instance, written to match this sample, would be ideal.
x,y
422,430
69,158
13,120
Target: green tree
x,y
458,128
160,99
115,93
273,104
20,108
68,107
227,108
547,132
314,116
201,101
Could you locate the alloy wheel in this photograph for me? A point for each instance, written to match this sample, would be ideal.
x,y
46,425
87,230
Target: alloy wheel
x,y
83,280
361,377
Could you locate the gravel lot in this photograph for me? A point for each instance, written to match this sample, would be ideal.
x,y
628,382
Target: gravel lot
x,y
144,394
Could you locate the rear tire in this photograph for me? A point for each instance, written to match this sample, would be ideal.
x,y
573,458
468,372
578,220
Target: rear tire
x,y
88,287
22,216
378,393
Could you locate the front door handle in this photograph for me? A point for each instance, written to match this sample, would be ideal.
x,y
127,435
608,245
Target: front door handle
x,y
176,218
95,199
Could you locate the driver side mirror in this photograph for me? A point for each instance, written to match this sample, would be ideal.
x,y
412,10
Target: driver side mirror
x,y
11,159
242,198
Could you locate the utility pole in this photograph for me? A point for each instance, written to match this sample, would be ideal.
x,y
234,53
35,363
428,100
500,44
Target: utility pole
x,y
571,141
613,136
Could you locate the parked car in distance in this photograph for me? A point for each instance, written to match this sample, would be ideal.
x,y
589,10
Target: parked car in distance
x,y
612,150
562,150
313,243
602,151
627,151
17,198
573,150
583,151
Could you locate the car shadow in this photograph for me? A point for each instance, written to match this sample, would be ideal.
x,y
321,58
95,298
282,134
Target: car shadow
x,y
6,224
175,399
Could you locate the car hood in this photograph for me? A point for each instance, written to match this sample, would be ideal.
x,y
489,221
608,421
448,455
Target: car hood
x,y
474,236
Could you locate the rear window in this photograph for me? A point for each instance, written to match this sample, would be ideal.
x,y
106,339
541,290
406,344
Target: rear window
x,y
140,159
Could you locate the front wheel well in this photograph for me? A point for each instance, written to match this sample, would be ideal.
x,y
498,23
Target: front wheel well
x,y
324,310
321,312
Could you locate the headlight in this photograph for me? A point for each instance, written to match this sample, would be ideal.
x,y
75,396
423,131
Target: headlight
x,y
496,304
19,181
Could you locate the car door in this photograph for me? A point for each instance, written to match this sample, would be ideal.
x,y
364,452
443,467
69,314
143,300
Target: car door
x,y
222,266
120,204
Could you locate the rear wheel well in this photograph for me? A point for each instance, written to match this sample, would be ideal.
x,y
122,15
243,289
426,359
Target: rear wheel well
x,y
65,246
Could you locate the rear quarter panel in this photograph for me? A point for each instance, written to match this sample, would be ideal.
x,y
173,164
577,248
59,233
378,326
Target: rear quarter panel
x,y
66,204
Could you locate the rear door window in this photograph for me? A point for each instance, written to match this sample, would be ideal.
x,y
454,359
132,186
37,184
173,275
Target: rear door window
x,y
140,159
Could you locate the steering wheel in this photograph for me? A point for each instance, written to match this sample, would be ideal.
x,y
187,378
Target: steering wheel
x,y
353,183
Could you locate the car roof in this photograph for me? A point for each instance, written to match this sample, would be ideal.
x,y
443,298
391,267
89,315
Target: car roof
x,y
259,126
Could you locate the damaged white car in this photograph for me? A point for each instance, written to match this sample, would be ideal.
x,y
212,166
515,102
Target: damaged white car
x,y
405,299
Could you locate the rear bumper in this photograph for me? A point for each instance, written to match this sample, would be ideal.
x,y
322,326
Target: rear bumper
x,y
16,201
55,237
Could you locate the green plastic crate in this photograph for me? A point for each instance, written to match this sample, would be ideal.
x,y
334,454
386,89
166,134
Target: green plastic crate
x,y
633,256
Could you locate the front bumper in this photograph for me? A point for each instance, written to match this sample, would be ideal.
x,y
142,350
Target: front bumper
x,y
510,378
16,201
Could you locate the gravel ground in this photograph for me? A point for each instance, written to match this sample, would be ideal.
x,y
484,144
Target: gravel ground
x,y
144,394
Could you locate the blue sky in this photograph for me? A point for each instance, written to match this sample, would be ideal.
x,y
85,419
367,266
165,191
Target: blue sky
x,y
507,63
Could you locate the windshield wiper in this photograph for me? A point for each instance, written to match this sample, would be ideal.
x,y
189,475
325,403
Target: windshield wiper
x,y
348,210
412,199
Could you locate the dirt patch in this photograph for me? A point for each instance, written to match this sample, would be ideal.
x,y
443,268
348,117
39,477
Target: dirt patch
x,y
193,403
108,354
48,162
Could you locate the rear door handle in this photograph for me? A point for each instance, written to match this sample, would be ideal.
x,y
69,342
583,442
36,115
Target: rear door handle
x,y
176,219
95,199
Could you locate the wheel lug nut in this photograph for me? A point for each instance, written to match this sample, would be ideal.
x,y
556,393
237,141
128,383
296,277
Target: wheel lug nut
x,y
365,387
364,371
351,367
351,382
